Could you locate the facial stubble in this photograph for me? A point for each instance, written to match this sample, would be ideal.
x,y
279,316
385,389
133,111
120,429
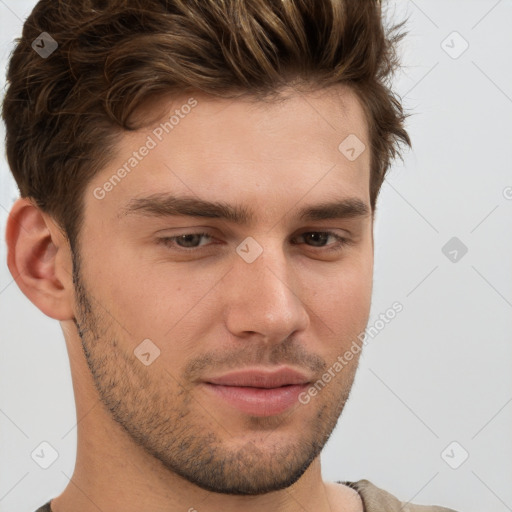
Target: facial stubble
x,y
163,417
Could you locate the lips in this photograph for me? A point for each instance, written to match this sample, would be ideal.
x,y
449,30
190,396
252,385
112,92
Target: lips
x,y
258,392
261,379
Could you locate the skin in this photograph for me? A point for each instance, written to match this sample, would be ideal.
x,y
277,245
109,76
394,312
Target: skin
x,y
151,437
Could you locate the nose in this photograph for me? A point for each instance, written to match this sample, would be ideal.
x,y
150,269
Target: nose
x,y
265,298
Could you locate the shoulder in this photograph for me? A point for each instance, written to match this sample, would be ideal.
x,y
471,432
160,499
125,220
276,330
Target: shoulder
x,y
378,500
45,508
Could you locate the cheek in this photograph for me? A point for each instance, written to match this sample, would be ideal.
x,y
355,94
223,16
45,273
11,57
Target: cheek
x,y
340,303
351,275
153,300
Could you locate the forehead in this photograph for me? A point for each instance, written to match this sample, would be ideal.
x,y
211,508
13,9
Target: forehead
x,y
293,116
231,149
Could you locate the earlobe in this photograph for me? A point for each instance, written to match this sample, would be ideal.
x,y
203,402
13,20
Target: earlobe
x,y
39,260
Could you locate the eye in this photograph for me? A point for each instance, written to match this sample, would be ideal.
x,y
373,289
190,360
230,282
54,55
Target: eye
x,y
319,239
189,241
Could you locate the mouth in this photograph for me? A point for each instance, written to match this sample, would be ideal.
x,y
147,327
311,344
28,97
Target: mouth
x,y
259,392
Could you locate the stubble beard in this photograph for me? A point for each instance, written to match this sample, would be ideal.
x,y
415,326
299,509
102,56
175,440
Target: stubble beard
x,y
170,424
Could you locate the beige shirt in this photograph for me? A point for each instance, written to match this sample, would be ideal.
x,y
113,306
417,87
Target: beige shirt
x,y
377,500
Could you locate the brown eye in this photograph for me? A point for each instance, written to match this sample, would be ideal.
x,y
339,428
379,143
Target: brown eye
x,y
319,239
185,241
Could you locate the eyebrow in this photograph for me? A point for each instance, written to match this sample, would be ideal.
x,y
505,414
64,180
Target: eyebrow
x,y
166,205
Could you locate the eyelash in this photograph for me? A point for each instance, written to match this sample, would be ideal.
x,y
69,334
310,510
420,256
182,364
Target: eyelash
x,y
341,241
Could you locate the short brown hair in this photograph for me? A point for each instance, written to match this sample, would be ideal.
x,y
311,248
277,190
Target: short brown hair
x,y
65,113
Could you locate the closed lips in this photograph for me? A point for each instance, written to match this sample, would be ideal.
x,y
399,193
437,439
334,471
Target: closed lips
x,y
260,379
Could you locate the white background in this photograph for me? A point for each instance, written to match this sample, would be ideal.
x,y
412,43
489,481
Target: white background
x,y
441,370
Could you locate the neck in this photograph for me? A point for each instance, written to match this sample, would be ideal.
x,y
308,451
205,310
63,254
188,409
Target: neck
x,y
120,476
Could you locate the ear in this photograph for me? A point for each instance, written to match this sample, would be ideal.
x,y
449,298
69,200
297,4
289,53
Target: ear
x,y
39,259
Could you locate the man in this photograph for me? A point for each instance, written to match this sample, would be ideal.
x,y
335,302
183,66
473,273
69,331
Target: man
x,y
198,186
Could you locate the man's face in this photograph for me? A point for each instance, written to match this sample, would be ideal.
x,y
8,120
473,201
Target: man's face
x,y
289,297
